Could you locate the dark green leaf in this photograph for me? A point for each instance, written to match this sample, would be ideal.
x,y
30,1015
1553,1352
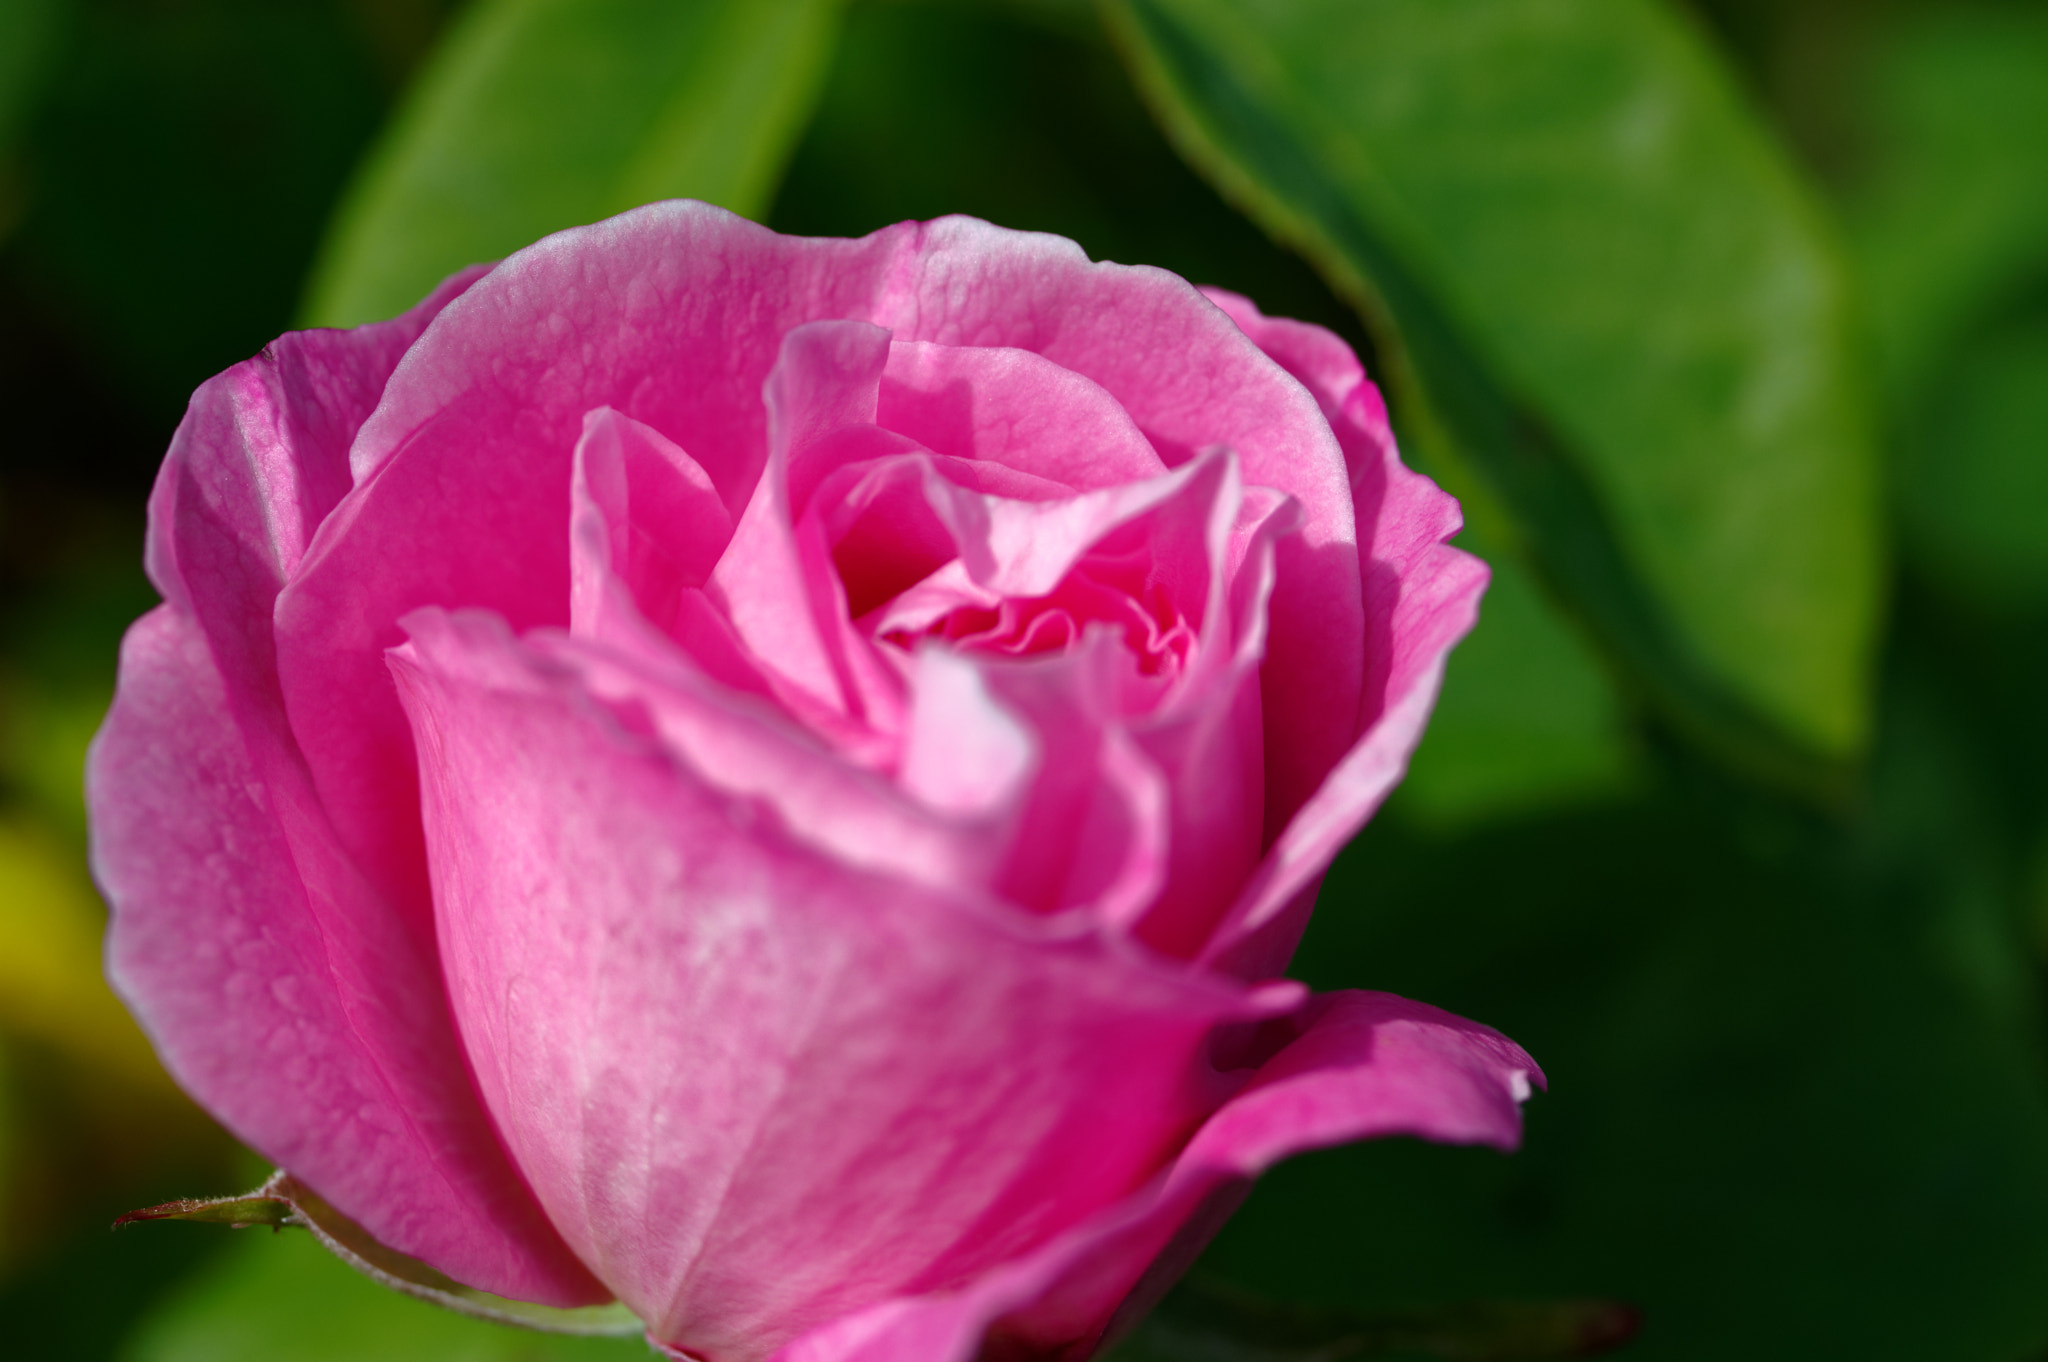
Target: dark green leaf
x,y
1973,468
1796,1107
28,37
1206,1322
537,115
1613,300
180,165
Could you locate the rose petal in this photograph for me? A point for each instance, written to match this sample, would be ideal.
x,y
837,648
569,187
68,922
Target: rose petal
x,y
750,749
727,1063
1189,379
776,583
1367,1065
278,1012
1192,735
964,754
644,512
1420,595
672,315
206,832
1091,835
1014,409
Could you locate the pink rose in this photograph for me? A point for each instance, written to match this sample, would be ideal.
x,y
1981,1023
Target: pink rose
x,y
769,778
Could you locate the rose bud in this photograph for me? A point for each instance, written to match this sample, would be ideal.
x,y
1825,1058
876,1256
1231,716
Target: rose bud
x,y
770,779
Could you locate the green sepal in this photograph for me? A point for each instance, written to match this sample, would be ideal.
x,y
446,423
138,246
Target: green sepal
x,y
285,1201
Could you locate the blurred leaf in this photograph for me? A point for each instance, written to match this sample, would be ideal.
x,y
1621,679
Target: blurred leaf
x,y
183,161
536,115
1204,1322
1613,300
1017,111
283,1298
283,1200
934,108
1973,468
1527,720
1952,211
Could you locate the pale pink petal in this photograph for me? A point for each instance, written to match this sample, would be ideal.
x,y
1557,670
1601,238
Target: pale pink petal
x,y
963,753
1018,549
728,1064
776,583
752,749
203,815
645,514
1016,409
1091,837
1366,1065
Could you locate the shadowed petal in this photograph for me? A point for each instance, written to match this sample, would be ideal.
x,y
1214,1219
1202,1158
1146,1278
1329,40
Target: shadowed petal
x,y
1365,1065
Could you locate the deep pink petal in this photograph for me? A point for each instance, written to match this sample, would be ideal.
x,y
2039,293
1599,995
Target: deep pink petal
x,y
728,1064
1367,1065
203,814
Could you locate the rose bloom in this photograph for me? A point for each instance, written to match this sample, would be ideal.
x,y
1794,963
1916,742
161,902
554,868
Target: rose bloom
x,y
770,779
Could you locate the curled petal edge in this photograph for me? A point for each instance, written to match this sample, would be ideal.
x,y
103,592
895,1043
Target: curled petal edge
x,y
1367,1065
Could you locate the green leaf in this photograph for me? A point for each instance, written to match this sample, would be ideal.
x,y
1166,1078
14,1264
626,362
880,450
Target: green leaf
x,y
1952,210
536,115
1606,293
282,1298
283,1200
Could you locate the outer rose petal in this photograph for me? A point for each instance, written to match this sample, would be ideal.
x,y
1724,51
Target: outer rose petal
x,y
715,1052
293,1002
1367,1065
1420,596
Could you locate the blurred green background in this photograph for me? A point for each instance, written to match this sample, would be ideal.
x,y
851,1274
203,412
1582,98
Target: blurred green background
x,y
1729,322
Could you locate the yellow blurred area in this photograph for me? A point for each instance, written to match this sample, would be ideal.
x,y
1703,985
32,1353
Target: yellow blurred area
x,y
51,984
86,1110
